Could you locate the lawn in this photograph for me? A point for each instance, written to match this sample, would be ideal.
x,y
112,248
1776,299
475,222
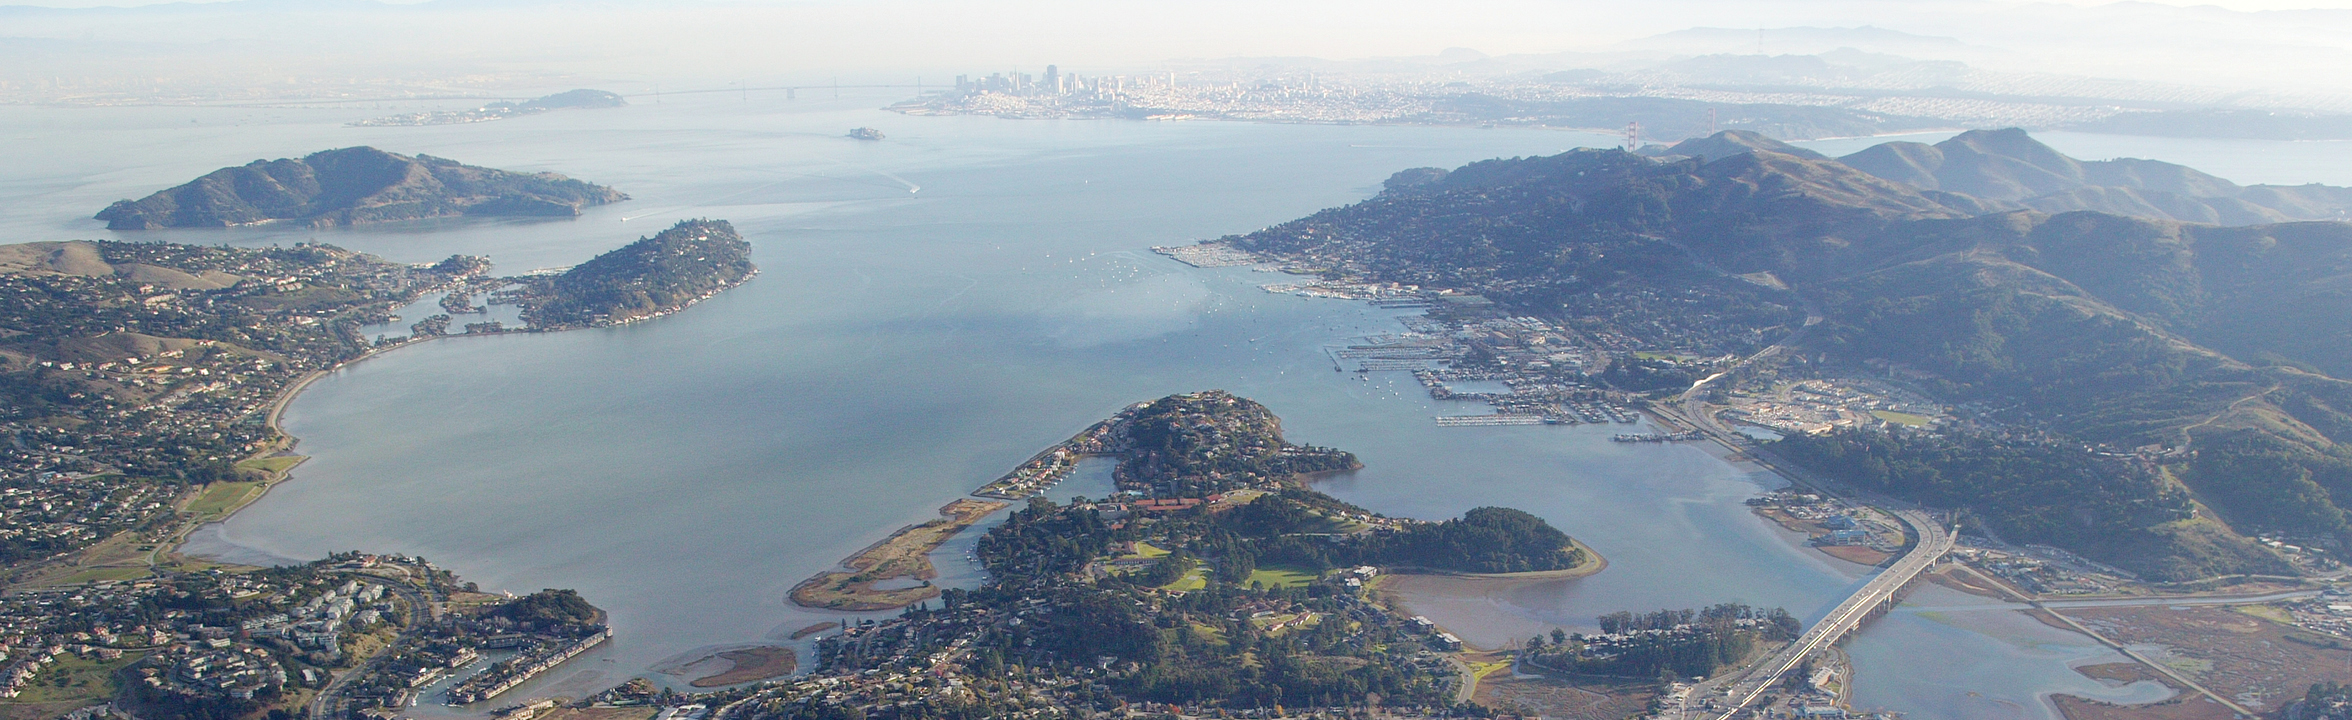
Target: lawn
x,y
1901,418
2272,613
73,679
272,465
1480,670
1194,579
220,496
1279,577
1209,633
98,574
1147,552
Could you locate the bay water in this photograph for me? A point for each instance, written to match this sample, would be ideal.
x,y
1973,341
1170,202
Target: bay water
x,y
932,309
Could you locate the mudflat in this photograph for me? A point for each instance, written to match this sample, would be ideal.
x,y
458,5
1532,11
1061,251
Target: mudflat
x,y
752,664
905,554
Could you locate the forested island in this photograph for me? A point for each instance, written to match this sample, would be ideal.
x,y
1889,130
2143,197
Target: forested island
x,y
2123,336
653,276
352,186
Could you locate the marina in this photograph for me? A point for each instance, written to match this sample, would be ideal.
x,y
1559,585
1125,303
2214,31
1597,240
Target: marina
x,y
1491,420
1656,437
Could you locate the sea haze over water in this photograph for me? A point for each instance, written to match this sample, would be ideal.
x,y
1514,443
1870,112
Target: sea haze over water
x,y
901,348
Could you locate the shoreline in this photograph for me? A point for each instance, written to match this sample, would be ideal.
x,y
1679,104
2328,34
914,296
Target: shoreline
x,y
167,550
1594,567
905,553
284,441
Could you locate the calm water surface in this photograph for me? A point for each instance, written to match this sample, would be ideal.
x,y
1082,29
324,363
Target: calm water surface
x,y
932,309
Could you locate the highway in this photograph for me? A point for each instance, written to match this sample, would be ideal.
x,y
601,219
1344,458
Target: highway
x,y
1934,542
1692,403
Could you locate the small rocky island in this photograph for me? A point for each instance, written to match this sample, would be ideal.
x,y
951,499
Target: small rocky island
x,y
649,278
352,186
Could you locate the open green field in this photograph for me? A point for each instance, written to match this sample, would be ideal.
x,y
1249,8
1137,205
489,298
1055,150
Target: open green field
x,y
1901,418
99,574
1194,579
1280,577
1147,552
73,680
2272,613
1209,633
272,465
220,496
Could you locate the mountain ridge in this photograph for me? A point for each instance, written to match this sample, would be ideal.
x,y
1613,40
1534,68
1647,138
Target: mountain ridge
x,y
1981,171
2217,351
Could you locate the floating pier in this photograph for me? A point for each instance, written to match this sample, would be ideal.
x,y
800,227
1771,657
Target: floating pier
x,y
1656,437
1486,420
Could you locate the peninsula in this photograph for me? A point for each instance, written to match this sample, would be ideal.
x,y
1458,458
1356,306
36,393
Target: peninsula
x,y
501,110
1215,580
1217,454
352,186
1863,305
906,554
143,380
337,637
143,383
654,276
2123,379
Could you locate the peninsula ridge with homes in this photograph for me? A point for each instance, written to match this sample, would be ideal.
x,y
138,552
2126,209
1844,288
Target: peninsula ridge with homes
x,y
144,382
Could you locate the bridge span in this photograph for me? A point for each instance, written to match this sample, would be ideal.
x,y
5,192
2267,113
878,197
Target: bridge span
x,y
1879,593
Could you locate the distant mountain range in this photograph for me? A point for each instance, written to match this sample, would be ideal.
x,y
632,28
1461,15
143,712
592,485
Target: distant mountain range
x,y
1982,171
2059,295
353,186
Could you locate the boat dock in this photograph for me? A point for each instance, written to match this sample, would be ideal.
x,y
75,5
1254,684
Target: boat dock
x,y
1655,437
1488,420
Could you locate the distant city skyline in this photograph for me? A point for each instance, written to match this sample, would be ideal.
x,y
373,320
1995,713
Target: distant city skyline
x,y
2222,44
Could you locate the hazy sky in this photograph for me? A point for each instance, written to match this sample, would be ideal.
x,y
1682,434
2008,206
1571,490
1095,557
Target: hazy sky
x,y
2225,43
2247,5
1893,5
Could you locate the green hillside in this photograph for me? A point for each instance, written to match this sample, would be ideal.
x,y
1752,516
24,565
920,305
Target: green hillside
x,y
659,274
2209,350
